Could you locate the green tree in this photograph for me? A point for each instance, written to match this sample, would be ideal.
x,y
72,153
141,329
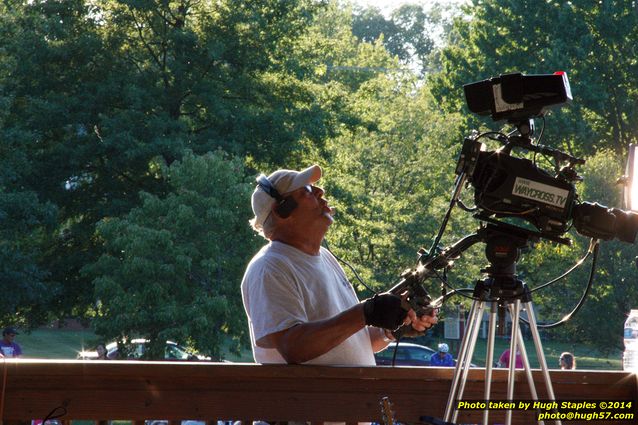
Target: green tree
x,y
390,183
217,73
96,93
390,169
25,223
171,267
31,118
410,33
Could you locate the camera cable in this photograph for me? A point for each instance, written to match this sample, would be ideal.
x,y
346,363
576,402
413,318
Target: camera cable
x,y
590,250
360,280
581,302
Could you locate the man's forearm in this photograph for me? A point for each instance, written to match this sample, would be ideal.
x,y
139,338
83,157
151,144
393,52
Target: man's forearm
x,y
306,341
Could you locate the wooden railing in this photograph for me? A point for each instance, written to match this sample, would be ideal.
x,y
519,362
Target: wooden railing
x,y
136,390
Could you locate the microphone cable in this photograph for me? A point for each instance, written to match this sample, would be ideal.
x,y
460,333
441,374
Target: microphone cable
x,y
324,243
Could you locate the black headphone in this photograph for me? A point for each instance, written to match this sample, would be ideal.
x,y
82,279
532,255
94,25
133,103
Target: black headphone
x,y
285,205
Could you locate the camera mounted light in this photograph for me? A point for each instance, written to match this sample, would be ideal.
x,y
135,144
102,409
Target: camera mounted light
x,y
516,96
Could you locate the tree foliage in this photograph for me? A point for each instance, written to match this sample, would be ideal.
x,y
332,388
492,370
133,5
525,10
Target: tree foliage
x,y
170,266
411,32
387,180
96,93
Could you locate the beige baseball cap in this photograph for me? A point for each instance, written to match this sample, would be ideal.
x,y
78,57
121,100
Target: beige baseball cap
x,y
285,181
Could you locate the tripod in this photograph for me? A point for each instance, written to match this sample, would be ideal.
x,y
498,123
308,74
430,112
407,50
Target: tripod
x,y
502,288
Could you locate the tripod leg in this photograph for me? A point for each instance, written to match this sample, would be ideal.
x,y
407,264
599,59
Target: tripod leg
x,y
457,369
526,366
528,369
474,329
489,358
461,360
539,353
515,311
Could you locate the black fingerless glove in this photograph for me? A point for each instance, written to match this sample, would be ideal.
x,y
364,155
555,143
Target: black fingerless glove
x,y
384,311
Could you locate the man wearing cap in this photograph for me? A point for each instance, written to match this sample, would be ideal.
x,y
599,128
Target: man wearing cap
x,y
8,347
442,357
300,306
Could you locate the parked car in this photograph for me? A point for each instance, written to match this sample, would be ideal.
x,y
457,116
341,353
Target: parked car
x,y
173,351
408,354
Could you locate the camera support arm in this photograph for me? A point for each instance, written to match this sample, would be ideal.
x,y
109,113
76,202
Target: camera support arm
x,y
410,288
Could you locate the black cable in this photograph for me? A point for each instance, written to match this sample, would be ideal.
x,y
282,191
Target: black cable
x,y
453,290
581,302
466,208
540,136
488,134
52,414
568,272
347,264
325,244
356,275
394,353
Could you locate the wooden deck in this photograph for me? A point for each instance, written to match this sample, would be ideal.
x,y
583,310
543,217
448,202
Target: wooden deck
x,y
136,390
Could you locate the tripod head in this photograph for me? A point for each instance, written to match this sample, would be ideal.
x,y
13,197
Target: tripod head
x,y
503,248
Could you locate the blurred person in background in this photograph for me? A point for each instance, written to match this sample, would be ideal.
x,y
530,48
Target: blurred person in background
x,y
8,347
567,361
101,351
442,357
504,360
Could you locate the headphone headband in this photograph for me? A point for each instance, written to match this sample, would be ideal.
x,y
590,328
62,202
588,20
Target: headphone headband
x,y
264,183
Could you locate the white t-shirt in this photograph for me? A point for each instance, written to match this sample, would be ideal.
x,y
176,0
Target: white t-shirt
x,y
284,286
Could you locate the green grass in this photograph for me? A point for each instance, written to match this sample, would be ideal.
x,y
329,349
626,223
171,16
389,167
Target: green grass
x,y
53,343
586,357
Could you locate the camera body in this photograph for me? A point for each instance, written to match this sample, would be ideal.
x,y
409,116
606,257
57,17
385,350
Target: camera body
x,y
507,186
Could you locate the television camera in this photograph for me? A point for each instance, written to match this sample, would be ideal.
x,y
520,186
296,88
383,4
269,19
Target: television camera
x,y
516,188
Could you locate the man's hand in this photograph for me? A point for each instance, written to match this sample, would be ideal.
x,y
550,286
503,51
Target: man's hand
x,y
416,326
422,323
